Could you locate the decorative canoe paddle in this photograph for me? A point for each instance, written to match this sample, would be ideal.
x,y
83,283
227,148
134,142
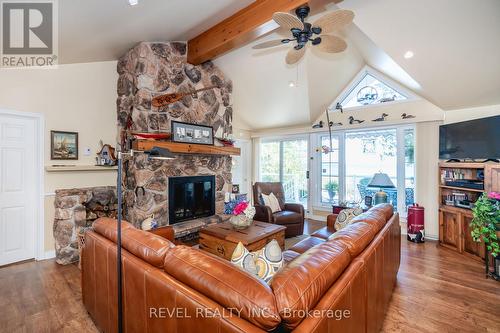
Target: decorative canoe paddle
x,y
167,99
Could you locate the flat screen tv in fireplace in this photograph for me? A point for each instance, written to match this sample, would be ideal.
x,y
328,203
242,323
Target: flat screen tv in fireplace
x,y
190,198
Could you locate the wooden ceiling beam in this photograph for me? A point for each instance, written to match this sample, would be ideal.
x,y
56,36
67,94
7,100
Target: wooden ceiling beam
x,y
246,25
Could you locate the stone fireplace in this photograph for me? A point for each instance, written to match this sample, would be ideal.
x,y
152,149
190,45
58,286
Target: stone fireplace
x,y
76,209
151,69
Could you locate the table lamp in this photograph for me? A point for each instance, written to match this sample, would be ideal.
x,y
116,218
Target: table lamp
x,y
381,181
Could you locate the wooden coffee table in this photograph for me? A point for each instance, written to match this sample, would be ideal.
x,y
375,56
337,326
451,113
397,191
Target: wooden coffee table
x,y
221,239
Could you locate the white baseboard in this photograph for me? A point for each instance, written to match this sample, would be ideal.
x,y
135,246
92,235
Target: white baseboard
x,y
48,255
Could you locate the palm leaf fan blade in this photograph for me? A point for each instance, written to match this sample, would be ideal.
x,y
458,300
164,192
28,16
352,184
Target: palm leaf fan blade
x,y
288,21
267,44
334,21
293,56
332,44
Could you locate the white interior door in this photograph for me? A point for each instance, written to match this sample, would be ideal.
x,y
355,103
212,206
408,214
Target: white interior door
x,y
17,188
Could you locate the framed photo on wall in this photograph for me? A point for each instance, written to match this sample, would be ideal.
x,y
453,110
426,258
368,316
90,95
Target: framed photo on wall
x,y
192,133
63,145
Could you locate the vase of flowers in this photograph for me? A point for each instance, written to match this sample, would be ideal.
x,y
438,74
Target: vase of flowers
x,y
243,215
486,222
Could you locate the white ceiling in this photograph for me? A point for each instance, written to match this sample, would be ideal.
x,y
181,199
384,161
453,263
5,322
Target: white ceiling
x,y
100,30
455,42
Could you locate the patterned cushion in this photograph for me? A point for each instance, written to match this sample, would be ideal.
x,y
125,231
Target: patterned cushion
x,y
268,260
244,259
263,263
345,217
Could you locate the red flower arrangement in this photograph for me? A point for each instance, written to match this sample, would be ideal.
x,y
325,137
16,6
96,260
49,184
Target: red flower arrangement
x,y
240,208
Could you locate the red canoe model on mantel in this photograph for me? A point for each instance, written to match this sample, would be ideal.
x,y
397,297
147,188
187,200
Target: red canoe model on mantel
x,y
152,136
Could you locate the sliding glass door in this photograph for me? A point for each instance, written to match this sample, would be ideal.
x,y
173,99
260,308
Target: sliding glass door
x,y
343,175
286,161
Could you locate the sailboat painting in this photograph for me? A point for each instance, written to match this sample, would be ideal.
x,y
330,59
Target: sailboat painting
x,y
63,145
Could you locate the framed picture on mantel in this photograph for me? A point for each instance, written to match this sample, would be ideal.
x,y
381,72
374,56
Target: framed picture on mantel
x,y
63,145
192,133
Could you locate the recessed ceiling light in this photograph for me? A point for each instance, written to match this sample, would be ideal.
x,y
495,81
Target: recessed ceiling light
x,y
133,2
408,54
292,84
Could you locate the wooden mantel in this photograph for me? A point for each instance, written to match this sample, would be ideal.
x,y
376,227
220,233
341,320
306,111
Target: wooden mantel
x,y
246,25
186,148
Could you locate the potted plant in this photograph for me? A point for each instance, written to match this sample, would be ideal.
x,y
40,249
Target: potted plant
x,y
332,187
485,225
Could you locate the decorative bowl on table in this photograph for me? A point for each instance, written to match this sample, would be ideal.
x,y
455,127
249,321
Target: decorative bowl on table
x,y
240,222
242,215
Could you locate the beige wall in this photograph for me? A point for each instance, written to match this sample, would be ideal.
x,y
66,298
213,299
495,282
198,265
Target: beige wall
x,y
79,98
426,159
471,113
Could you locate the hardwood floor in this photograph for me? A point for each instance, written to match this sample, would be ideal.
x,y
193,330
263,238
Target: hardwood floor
x,y
42,297
437,291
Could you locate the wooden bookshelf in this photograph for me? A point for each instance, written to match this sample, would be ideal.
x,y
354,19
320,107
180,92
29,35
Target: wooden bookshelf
x,y
461,188
186,148
454,230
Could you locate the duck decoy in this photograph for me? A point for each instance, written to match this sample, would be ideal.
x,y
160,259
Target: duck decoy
x,y
318,125
407,116
381,118
355,121
335,124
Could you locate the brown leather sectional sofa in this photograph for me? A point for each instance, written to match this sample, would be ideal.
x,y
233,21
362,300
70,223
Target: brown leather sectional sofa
x,y
339,282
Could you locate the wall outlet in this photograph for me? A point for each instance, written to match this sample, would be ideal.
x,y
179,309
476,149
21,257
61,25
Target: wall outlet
x,y
87,152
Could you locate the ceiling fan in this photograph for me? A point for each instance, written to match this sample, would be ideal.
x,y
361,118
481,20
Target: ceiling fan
x,y
304,33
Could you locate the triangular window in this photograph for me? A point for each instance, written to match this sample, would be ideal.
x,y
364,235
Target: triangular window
x,y
369,91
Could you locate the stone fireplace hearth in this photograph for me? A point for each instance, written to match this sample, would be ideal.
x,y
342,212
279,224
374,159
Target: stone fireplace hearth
x,y
76,209
151,69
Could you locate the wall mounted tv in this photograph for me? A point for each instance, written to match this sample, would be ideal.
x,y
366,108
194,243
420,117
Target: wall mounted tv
x,y
474,139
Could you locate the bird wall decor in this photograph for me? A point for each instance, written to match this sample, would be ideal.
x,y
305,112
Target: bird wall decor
x,y
355,121
407,116
381,118
318,125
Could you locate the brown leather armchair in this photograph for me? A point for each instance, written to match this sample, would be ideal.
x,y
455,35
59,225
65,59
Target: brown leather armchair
x,y
291,215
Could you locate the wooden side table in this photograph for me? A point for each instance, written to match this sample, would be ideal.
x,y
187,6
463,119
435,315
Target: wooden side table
x,y
221,239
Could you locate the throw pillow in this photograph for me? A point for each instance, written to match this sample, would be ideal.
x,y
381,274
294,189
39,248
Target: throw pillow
x,y
268,260
345,217
263,263
242,258
271,201
275,202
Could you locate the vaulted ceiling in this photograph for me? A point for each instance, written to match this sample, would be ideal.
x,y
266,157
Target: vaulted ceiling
x,y
456,61
100,30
